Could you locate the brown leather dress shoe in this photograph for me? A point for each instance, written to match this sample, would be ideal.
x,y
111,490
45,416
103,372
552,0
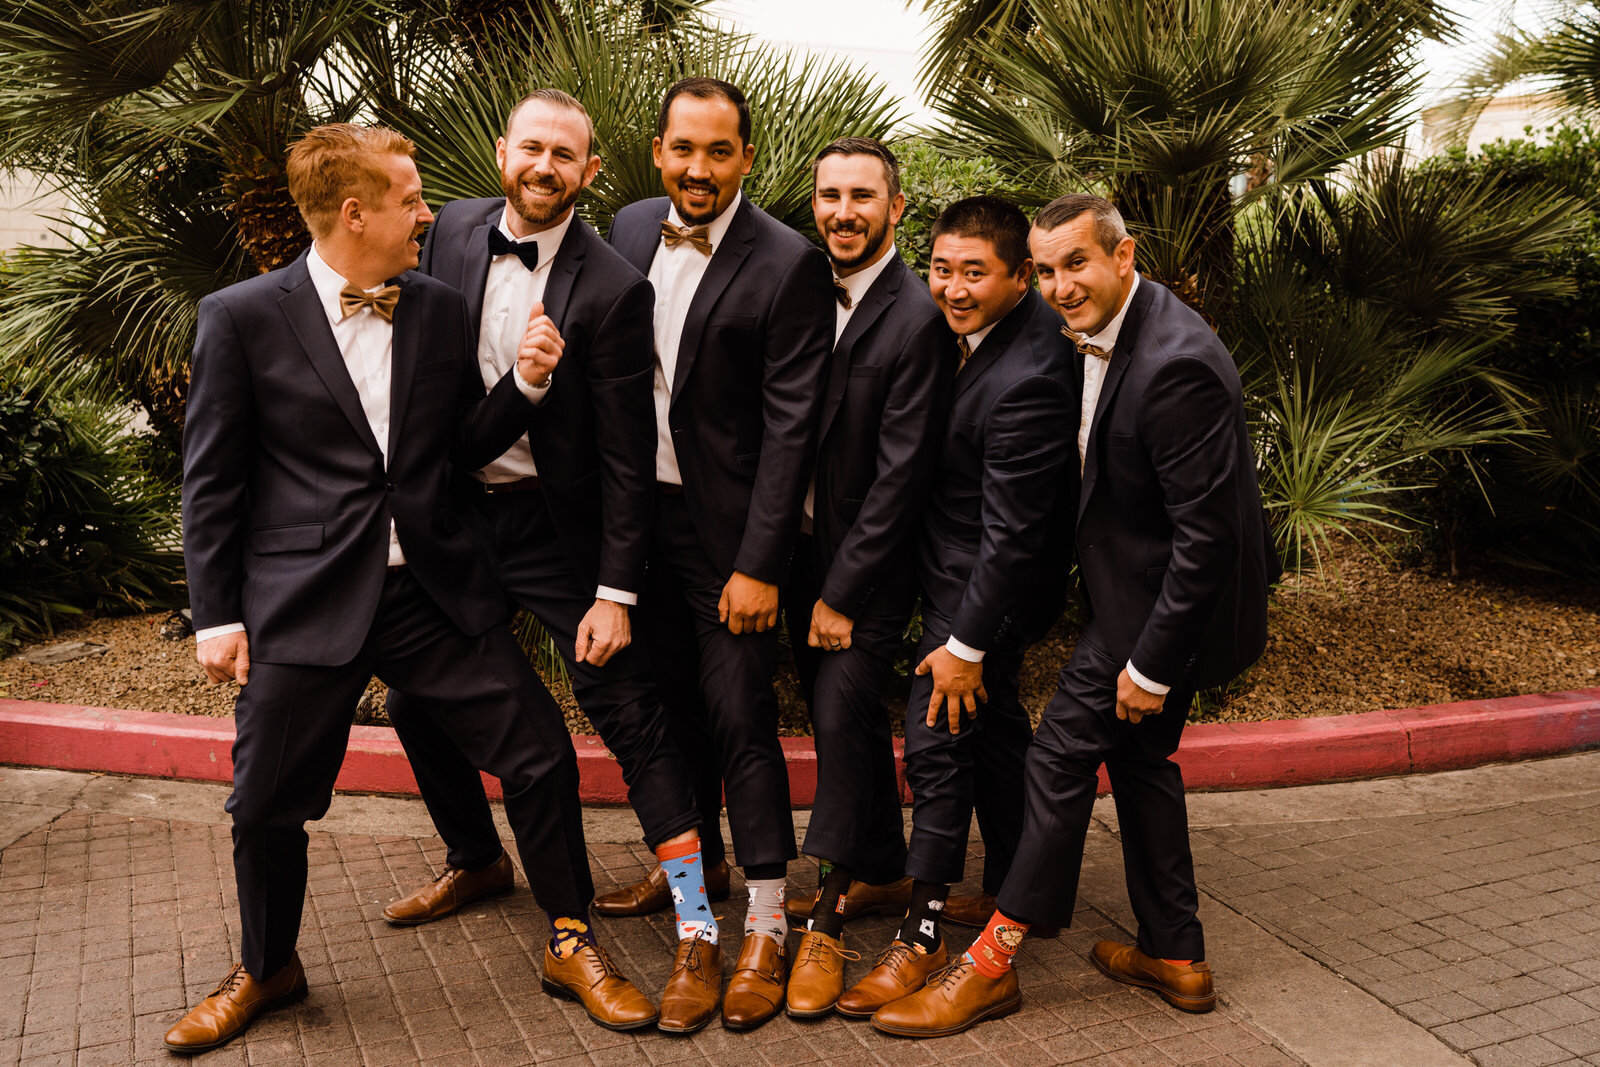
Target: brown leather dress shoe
x,y
1186,988
955,999
589,977
652,894
975,911
861,899
900,971
451,890
694,989
755,992
817,978
234,1005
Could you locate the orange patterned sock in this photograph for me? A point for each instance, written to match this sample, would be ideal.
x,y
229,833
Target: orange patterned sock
x,y
991,953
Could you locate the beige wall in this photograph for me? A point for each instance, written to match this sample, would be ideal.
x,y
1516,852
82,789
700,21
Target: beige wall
x,y
1506,116
24,211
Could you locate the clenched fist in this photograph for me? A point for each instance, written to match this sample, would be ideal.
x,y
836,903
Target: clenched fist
x,y
540,349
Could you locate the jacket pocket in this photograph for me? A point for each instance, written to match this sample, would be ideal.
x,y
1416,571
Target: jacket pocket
x,y
301,538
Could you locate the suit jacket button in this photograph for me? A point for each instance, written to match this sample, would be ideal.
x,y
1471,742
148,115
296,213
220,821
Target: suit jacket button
x,y
388,487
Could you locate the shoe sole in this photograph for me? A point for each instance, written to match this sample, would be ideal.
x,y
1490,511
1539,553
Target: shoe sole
x,y
294,996
561,992
740,1028
685,1031
810,1013
1192,1005
488,895
996,1012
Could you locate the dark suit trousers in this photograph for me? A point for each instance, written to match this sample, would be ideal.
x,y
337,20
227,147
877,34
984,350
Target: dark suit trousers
x,y
619,698
979,769
855,819
293,724
717,690
1080,731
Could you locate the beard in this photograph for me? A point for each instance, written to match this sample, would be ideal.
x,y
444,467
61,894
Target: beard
x,y
869,248
708,189
536,213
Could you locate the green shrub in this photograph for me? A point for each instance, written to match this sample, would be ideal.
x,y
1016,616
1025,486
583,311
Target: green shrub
x,y
932,182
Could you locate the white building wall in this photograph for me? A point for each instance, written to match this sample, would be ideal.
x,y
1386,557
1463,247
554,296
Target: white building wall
x,y
26,209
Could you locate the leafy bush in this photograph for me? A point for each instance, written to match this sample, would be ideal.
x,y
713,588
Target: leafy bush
x,y
932,182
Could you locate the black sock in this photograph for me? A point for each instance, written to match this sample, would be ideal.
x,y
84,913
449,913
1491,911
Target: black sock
x,y
920,927
826,913
765,870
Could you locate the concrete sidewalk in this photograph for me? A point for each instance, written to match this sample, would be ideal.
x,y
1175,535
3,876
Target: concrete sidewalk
x,y
1448,918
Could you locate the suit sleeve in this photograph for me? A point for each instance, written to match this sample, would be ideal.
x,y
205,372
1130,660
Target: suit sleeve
x,y
1187,424
621,372
799,338
1026,456
908,445
218,431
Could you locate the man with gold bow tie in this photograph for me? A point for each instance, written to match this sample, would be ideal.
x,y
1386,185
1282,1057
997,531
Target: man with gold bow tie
x,y
325,403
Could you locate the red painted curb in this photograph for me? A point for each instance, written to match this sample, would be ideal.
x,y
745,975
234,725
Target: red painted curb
x,y
1214,756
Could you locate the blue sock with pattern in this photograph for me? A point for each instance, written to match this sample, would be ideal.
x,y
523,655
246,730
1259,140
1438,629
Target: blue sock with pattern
x,y
686,877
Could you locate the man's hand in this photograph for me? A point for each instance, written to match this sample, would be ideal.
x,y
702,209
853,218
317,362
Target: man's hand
x,y
603,632
829,629
748,605
540,349
957,685
225,657
1134,702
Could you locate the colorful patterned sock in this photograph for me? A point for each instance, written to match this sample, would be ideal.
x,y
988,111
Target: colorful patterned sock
x,y
686,875
827,913
569,933
1178,963
920,927
764,915
991,953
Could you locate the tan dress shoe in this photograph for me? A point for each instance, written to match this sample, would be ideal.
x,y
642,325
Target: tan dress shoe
x,y
589,977
453,889
900,971
976,911
234,1005
694,988
652,894
955,999
755,992
1186,988
861,899
817,978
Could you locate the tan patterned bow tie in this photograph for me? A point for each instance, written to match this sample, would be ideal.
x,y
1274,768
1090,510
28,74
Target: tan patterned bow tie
x,y
699,236
381,301
966,353
1084,346
842,292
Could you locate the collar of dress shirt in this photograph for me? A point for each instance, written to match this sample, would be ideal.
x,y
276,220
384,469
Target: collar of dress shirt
x,y
975,338
858,283
549,241
719,225
1107,338
328,282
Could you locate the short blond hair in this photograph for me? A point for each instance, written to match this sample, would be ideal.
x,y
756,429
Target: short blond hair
x,y
332,163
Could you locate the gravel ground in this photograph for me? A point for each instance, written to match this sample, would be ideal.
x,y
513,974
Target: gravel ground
x,y
1363,635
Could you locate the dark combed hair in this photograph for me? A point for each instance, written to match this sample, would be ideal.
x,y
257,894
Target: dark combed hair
x,y
862,146
998,221
706,89
1109,229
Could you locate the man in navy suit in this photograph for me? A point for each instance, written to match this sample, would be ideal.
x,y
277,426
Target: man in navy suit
x,y
322,549
742,335
991,570
854,583
566,510
1176,562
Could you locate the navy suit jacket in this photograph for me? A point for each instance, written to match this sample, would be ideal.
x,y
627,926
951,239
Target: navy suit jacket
x,y
286,499
748,383
882,422
992,554
593,436
1173,547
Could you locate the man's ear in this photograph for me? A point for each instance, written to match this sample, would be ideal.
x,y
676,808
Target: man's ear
x,y
350,214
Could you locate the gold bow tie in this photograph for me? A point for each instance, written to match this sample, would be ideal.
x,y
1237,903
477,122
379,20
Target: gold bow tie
x,y
381,301
842,292
1084,347
699,236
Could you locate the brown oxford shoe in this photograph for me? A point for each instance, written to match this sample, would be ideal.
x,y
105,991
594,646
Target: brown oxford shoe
x,y
1187,988
690,999
589,977
976,911
652,894
234,1005
955,999
900,971
453,889
863,898
816,980
755,992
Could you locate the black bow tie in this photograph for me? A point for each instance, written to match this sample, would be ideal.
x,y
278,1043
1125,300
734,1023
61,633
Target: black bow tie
x,y
501,245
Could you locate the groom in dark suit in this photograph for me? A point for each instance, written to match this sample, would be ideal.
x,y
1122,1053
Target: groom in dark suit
x,y
1176,562
322,549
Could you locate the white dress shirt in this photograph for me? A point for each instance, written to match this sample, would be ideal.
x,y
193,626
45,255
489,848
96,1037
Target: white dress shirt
x,y
956,647
675,272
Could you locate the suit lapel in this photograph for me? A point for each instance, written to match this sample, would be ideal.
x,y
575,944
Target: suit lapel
x,y
730,255
639,246
1116,370
306,317
874,302
475,266
403,367
995,344
564,271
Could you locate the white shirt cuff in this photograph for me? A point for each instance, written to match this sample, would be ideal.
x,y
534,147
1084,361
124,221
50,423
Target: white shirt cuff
x,y
1153,688
619,596
962,650
217,631
535,393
